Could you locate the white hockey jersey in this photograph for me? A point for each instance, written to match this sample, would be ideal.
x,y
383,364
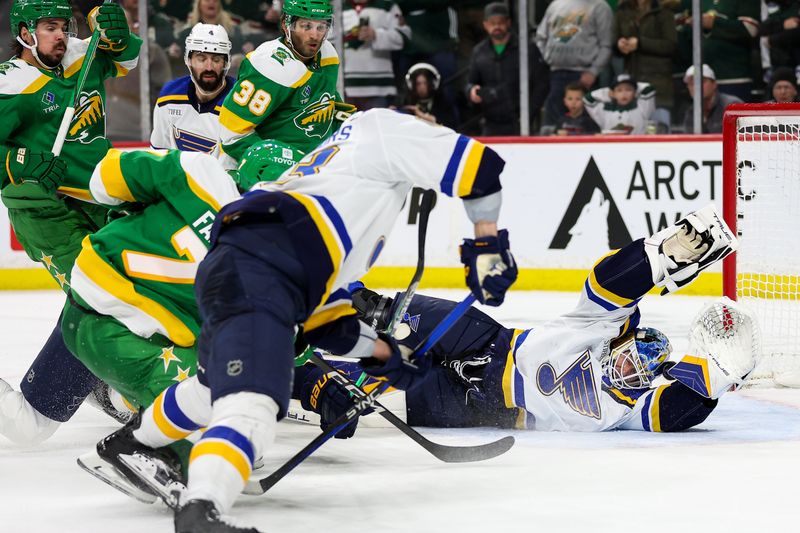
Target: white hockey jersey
x,y
181,122
344,198
614,118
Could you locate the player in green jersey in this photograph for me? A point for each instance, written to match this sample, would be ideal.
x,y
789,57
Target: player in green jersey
x,y
286,87
36,87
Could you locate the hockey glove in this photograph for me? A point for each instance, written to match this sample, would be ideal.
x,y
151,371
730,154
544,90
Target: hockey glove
x,y
324,396
342,111
110,19
44,168
489,267
401,372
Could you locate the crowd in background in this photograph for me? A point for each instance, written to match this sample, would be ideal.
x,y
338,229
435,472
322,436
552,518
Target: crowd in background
x,y
596,66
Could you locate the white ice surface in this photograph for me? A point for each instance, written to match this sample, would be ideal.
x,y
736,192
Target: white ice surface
x,y
738,472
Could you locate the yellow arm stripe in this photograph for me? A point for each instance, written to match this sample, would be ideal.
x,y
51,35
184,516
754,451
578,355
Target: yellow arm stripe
x,y
37,84
8,168
328,315
111,176
224,451
624,397
655,418
702,362
80,194
121,71
111,281
470,168
173,98
74,68
235,123
302,81
202,193
605,293
508,372
327,61
163,424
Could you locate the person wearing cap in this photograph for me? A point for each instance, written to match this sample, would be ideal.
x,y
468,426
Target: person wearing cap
x,y
493,79
575,37
783,85
714,101
623,108
424,98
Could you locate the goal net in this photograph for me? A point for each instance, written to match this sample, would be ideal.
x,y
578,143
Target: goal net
x,y
761,181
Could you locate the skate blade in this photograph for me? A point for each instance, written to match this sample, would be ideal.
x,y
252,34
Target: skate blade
x,y
143,469
96,466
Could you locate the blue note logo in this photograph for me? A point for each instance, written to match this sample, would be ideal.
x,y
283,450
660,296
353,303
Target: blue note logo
x,y
576,385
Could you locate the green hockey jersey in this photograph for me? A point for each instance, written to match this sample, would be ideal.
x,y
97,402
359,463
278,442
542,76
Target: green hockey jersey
x,y
279,97
32,104
140,269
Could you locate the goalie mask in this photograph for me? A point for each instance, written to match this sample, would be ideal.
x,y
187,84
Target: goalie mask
x,y
635,359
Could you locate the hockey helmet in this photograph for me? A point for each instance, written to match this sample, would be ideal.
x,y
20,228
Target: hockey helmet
x,y
29,12
435,77
266,161
308,9
209,38
634,360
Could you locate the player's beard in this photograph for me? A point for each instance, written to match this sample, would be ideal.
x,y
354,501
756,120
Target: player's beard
x,y
54,59
208,85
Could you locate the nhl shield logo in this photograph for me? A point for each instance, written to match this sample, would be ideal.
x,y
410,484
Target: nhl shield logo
x,y
89,122
235,367
316,118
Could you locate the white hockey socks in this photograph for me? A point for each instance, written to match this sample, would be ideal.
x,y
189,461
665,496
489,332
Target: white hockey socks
x,y
175,414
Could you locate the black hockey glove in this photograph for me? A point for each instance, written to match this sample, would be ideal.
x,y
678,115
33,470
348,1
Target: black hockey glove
x,y
326,397
489,267
399,371
44,168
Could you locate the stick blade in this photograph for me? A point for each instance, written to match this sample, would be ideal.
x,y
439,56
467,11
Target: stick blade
x,y
471,454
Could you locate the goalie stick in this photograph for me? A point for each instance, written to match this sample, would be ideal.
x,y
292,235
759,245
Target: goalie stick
x,y
261,486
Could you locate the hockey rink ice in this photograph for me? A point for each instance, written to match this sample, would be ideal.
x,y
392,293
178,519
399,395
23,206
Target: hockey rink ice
x,y
737,472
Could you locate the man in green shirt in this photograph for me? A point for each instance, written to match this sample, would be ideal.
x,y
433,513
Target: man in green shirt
x,y
36,87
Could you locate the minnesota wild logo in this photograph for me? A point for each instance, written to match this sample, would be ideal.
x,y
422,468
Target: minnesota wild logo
x,y
317,117
7,67
89,122
281,56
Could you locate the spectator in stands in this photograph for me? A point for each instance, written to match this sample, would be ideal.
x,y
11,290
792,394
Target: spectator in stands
x,y
493,80
424,98
212,12
576,121
782,30
623,108
730,28
645,35
714,102
372,30
575,37
260,20
160,27
178,10
783,85
470,26
433,25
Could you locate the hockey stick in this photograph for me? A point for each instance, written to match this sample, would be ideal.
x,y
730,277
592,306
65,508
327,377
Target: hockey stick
x,y
443,452
361,404
69,113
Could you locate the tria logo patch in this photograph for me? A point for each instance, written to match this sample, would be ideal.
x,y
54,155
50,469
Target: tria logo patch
x,y
89,122
316,118
49,102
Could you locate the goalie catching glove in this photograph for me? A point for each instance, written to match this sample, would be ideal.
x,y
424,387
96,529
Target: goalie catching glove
x,y
679,253
110,19
489,267
43,168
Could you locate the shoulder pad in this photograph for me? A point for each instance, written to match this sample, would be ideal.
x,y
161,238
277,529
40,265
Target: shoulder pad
x,y
277,63
76,50
176,90
18,77
328,54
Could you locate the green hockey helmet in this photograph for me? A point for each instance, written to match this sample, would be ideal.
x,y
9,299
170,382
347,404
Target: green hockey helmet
x,y
266,161
29,12
308,9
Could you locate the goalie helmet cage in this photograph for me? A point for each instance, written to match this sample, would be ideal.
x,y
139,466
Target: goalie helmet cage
x,y
761,203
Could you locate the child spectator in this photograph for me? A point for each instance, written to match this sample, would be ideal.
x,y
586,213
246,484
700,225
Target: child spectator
x,y
576,121
783,85
624,108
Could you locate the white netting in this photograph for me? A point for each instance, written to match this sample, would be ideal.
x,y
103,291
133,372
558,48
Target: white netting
x,y
728,333
768,259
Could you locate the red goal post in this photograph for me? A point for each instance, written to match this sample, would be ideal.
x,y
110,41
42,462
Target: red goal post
x,y
761,203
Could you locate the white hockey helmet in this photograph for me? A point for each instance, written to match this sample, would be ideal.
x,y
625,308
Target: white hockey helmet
x,y
209,38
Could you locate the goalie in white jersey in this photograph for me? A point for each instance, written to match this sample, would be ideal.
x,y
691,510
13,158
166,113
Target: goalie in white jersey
x,y
594,368
284,255
186,115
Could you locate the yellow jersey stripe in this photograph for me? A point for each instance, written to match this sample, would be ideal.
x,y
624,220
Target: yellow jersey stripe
x,y
74,68
173,98
162,422
80,194
111,281
120,70
470,171
235,123
508,372
37,84
624,397
655,418
302,81
605,293
328,315
702,362
111,176
201,193
326,61
223,451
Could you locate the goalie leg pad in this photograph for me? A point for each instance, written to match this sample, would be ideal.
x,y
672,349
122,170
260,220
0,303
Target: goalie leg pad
x,y
679,253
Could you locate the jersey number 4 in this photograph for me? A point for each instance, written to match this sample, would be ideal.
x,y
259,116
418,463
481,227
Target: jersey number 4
x,y
159,268
316,161
256,101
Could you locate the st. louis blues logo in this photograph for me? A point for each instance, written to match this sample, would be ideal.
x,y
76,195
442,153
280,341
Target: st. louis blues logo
x,y
412,321
576,385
